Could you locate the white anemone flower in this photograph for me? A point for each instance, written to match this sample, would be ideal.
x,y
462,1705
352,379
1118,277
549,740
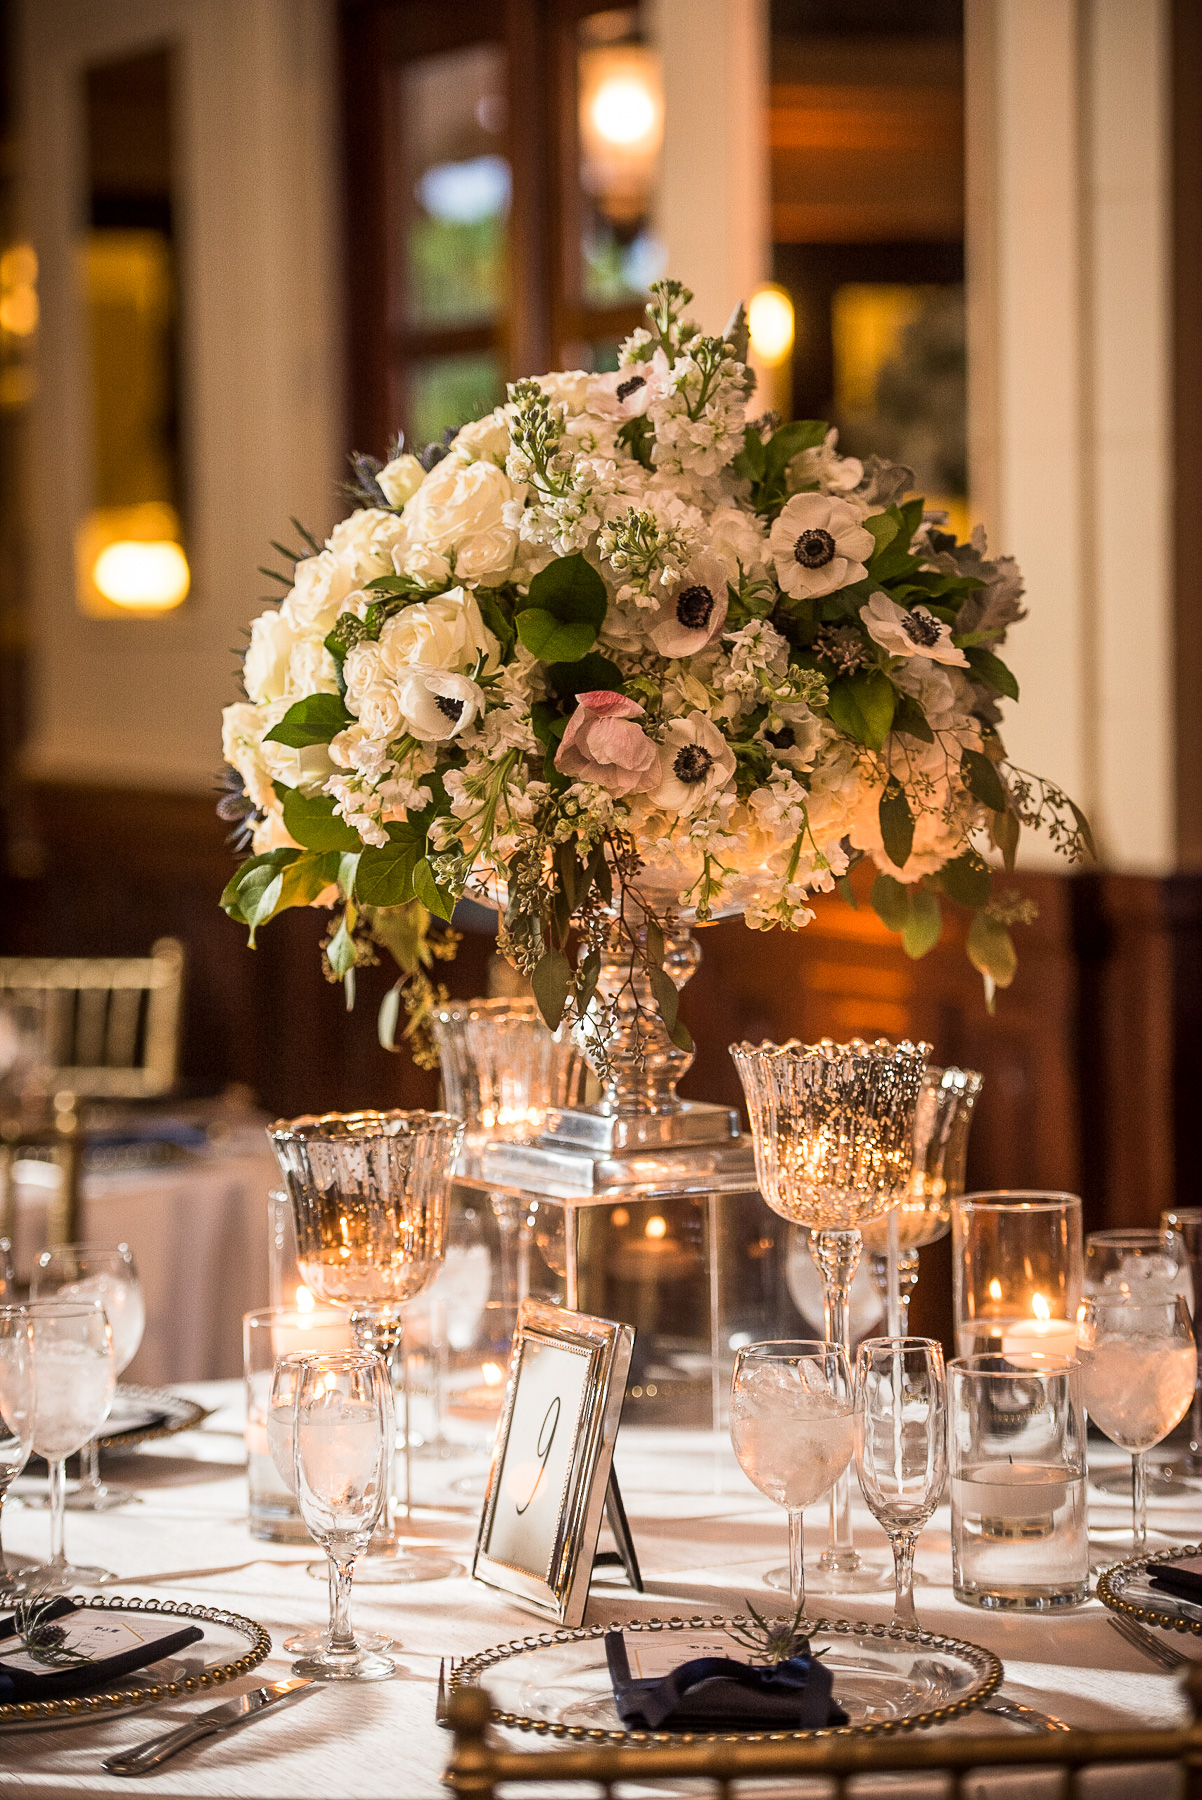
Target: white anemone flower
x,y
438,704
696,763
914,633
691,617
818,545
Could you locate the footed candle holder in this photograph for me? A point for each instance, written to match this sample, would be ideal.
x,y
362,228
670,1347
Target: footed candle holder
x,y
833,1129
1018,1272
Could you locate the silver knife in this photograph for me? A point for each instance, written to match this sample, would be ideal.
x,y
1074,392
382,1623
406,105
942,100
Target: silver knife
x,y
155,1751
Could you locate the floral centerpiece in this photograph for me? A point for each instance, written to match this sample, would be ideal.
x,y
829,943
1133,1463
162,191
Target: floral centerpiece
x,y
612,652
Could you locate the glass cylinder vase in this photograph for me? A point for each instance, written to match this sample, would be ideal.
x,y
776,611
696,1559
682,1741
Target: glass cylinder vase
x,y
1017,1272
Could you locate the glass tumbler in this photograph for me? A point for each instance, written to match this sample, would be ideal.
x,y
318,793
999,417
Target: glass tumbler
x,y
268,1334
1017,1272
1018,1473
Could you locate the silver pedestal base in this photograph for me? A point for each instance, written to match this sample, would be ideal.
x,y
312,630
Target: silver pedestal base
x,y
589,1157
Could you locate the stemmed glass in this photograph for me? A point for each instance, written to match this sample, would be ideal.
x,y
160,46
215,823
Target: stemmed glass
x,y
1138,1367
370,1194
74,1381
1182,1229
107,1273
833,1129
792,1424
281,1446
901,1447
16,1406
345,1432
1141,1263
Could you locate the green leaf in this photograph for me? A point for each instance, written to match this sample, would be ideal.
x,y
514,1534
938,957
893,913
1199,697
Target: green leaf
x,y
273,860
983,781
585,676
306,878
897,823
862,705
749,463
497,619
991,950
666,997
316,719
340,951
788,440
638,435
313,822
550,639
551,980
681,1036
1084,827
890,903
848,892
385,875
434,898
252,894
569,589
884,528
1005,829
992,671
924,922
966,879
909,717
586,980
655,944
348,872
389,1016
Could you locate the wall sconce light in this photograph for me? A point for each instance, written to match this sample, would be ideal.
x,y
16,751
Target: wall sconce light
x,y
621,128
771,328
129,561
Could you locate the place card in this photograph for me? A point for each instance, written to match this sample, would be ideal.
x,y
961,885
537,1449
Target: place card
x,y
113,1642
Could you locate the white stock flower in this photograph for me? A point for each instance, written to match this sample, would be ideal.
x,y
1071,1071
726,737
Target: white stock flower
x,y
739,537
265,666
818,545
444,633
438,704
822,463
320,585
400,479
355,748
696,762
915,633
460,508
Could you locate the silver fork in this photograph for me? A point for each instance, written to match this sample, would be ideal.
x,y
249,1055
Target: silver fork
x,y
440,1699
1152,1647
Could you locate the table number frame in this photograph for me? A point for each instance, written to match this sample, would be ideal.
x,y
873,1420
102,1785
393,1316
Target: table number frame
x,y
554,1448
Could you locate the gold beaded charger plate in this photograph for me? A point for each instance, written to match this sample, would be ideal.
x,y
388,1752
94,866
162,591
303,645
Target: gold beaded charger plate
x,y
1126,1589
885,1679
232,1645
140,1413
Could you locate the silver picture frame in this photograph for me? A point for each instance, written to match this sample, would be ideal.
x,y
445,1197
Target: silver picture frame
x,y
551,1460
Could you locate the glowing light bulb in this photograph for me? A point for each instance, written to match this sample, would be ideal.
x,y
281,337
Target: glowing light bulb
x,y
624,110
770,322
151,576
656,1227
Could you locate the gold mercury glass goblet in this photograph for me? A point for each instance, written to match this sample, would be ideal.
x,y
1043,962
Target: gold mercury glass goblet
x,y
370,1195
833,1130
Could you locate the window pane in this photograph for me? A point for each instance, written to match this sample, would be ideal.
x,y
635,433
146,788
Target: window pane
x,y
456,185
621,118
446,391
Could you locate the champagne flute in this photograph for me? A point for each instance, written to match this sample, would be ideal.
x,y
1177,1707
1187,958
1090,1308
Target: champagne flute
x,y
74,1381
901,1447
16,1406
345,1431
107,1273
792,1423
281,1447
1138,1368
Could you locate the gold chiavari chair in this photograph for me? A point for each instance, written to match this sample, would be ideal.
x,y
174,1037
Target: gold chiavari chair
x,y
480,1769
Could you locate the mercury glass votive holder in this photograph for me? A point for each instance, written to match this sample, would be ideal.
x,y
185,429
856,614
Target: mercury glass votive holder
x,y
502,1070
1018,1474
1017,1272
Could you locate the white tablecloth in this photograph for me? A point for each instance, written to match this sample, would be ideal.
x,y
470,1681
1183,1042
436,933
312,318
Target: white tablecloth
x,y
198,1231
701,1551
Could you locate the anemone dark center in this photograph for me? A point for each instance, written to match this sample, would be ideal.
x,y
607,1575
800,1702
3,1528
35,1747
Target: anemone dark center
x,y
921,628
450,709
693,763
814,549
784,739
694,607
631,386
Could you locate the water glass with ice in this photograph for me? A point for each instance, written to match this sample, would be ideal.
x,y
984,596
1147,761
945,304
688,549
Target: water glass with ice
x,y
75,1377
16,1406
901,1447
792,1423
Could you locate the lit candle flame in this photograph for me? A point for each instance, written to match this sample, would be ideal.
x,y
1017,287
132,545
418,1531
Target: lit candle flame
x,y
493,1374
995,1289
1040,1307
304,1299
656,1227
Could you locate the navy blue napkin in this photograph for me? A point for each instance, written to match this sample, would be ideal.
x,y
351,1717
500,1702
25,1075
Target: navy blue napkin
x,y
1182,1579
716,1693
76,1678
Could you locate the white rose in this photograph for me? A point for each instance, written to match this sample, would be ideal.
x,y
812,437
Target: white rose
x,y
484,440
363,544
321,584
696,763
361,670
438,704
444,633
307,769
400,479
380,711
265,666
242,728
311,669
460,507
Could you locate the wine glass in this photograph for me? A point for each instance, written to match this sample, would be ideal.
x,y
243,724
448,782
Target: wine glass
x,y
1141,1263
792,1424
833,1130
16,1406
901,1447
107,1273
370,1194
281,1447
75,1377
345,1432
1182,1228
8,1278
1138,1368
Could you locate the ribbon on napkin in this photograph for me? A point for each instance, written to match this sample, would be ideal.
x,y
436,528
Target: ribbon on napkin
x,y
716,1693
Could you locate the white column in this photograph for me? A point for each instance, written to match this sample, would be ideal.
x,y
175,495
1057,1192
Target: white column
x,y
1068,278
714,204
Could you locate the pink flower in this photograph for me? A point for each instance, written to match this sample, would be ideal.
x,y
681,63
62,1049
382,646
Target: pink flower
x,y
603,745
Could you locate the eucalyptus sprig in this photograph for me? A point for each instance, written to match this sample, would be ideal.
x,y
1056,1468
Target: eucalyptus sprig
x,y
770,1640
